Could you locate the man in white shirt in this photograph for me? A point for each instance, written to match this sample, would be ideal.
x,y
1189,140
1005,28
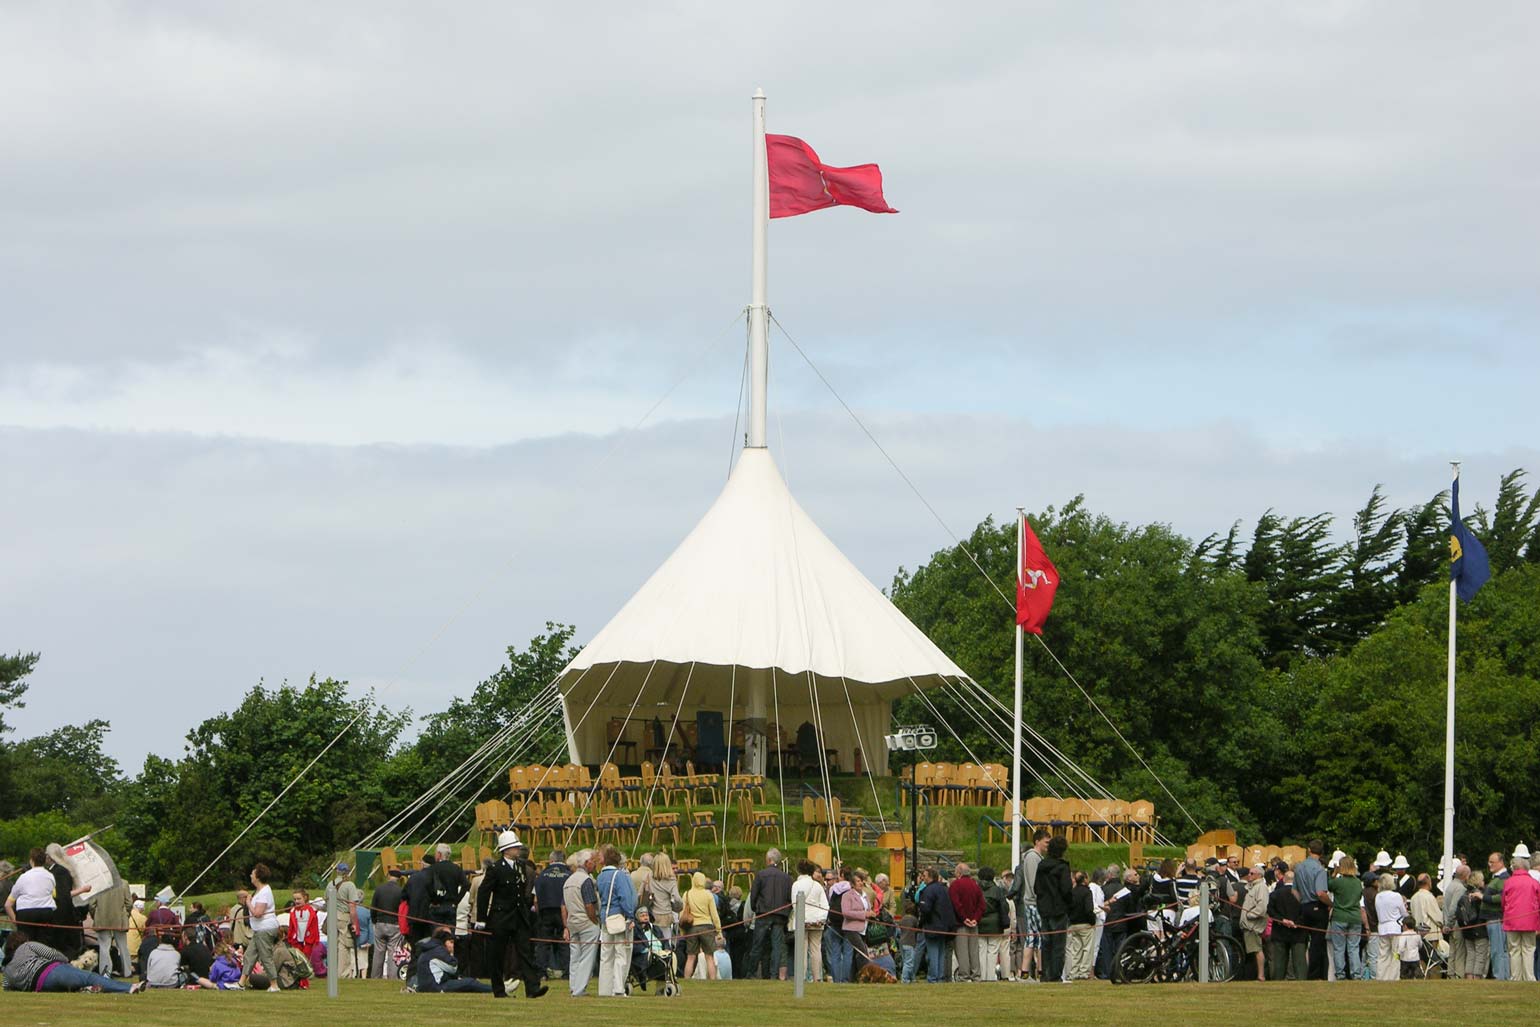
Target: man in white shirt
x,y
815,911
31,902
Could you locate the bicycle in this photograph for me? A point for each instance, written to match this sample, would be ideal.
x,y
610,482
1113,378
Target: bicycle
x,y
1167,954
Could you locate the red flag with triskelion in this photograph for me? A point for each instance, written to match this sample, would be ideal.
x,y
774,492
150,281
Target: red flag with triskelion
x,y
1036,583
800,182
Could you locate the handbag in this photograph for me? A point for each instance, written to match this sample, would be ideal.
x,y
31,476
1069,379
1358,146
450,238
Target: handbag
x,y
686,918
614,923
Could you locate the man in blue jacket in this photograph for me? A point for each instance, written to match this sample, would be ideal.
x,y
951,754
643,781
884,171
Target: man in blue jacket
x,y
939,921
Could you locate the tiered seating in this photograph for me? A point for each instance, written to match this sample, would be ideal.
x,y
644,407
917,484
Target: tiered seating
x,y
664,823
820,818
755,823
1082,820
753,784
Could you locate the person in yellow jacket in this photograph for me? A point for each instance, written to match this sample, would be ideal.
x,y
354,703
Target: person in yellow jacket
x,y
700,926
136,924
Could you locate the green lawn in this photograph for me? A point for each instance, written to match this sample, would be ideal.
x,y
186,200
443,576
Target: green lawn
x,y
730,1003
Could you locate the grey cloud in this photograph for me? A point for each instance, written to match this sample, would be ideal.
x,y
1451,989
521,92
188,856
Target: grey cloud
x,y
162,576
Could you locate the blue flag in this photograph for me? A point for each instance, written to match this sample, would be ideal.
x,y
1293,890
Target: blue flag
x,y
1468,566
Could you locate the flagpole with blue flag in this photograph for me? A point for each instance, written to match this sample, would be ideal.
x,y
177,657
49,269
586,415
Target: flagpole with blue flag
x,y
1468,571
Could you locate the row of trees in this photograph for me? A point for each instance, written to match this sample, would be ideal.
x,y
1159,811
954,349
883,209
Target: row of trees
x,y
1277,681
174,816
1285,685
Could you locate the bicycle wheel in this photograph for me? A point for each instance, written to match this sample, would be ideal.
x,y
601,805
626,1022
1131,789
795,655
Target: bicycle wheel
x,y
1225,960
1237,956
1137,959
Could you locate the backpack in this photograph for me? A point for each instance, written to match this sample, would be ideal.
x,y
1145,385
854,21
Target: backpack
x,y
836,916
1468,912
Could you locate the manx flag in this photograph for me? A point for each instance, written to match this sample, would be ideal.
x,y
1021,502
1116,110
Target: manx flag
x,y
1468,565
800,182
1035,584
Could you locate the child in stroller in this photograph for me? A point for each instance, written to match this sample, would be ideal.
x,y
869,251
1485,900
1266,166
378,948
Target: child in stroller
x,y
652,956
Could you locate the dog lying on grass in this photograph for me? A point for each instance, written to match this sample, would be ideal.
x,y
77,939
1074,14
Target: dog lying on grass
x,y
871,973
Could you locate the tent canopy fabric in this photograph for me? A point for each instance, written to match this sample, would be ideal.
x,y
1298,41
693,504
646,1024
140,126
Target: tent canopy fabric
x,y
757,607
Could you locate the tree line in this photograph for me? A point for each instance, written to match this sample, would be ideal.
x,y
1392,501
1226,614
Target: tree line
x,y
1279,681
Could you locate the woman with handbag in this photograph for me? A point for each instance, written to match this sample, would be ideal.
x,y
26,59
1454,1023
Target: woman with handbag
x,y
617,912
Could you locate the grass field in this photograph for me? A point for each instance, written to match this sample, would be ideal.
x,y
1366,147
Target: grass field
x,y
740,1002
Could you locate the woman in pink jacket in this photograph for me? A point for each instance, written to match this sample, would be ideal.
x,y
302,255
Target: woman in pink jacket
x,y
1521,919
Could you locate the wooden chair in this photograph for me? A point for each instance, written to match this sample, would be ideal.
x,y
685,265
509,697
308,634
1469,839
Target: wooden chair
x,y
468,859
1142,820
418,852
685,867
388,861
665,822
753,823
753,784
849,824
709,783
672,786
485,852
740,868
703,820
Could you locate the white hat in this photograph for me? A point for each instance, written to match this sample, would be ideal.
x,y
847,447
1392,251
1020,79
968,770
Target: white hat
x,y
1382,859
508,840
1400,863
1224,861
1521,851
1337,856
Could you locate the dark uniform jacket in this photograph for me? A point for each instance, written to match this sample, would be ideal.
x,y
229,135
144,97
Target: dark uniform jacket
x,y
507,897
548,886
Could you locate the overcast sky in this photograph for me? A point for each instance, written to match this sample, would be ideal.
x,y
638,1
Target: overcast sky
x,y
329,332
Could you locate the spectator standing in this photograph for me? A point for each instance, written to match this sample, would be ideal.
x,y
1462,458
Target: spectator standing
x,y
418,924
855,911
580,900
110,910
735,930
553,957
67,918
1521,919
1082,928
1289,949
704,929
1472,915
769,898
384,905
1254,918
1054,886
617,899
1426,911
1492,913
815,912
937,922
1347,892
1389,911
992,926
350,962
304,925
968,905
264,928
1023,893
138,922
837,951
1099,877
1314,906
1454,894
666,900
908,939
447,885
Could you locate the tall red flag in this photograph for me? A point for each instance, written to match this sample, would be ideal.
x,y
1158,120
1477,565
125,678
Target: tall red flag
x,y
1036,583
800,182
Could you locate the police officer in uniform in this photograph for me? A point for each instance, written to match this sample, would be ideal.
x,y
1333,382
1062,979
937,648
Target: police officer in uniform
x,y
506,908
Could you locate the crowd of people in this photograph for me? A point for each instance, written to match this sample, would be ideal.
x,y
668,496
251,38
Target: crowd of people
x,y
589,917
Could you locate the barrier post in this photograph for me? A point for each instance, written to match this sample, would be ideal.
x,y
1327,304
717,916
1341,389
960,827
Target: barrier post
x,y
1203,893
799,945
333,938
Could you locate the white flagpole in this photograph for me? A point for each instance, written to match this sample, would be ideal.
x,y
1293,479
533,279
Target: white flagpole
x,y
1448,867
759,339
1021,520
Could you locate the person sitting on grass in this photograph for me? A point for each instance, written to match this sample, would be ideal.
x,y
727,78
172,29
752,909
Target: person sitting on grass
x,y
165,970
32,966
439,971
290,968
225,971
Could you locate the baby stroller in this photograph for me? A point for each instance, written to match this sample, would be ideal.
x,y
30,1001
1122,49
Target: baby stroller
x,y
1434,964
652,959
